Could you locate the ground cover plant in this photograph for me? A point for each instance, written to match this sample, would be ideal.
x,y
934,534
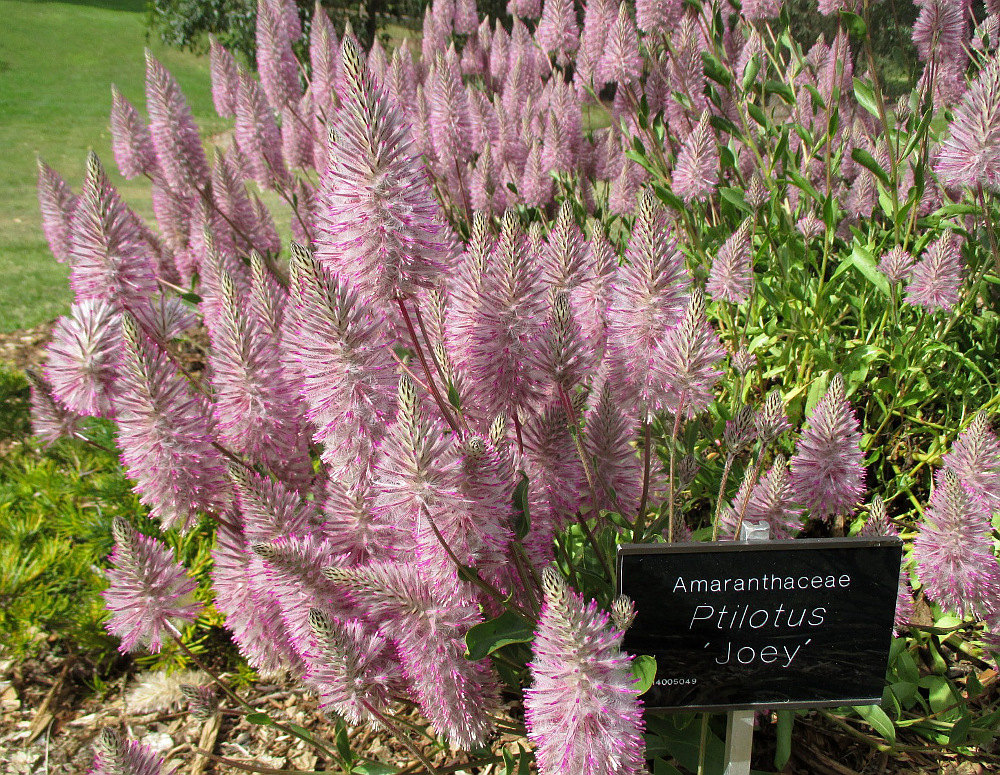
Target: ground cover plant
x,y
502,341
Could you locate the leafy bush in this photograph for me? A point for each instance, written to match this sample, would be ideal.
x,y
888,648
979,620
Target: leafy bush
x,y
504,341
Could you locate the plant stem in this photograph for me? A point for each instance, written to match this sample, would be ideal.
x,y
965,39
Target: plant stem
x,y
670,485
427,369
640,518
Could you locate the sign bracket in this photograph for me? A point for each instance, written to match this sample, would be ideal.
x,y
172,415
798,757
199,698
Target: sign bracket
x,y
739,723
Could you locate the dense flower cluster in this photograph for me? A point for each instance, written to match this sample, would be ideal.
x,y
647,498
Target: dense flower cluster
x,y
491,322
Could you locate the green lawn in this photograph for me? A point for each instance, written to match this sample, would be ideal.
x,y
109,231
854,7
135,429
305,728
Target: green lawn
x,y
57,64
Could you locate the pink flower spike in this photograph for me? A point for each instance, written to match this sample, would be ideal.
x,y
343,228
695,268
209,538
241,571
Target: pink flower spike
x,y
81,358
225,78
731,278
148,593
936,280
621,61
954,551
130,138
697,169
114,755
377,218
557,32
179,152
975,460
165,434
110,259
828,475
970,155
686,362
582,710
279,72
50,420
57,203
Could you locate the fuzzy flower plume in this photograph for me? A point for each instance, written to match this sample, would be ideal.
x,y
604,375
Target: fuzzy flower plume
x,y
970,156
828,476
257,135
324,60
179,151
504,326
57,203
557,32
428,623
279,71
351,668
769,500
770,420
165,434
609,444
111,261
451,130
378,220
253,618
556,478
81,358
896,264
621,62
255,403
936,279
687,362
582,711
647,301
879,524
148,592
114,755
697,169
975,460
349,377
289,572
954,552
225,78
731,278
564,356
658,15
233,203
130,138
50,420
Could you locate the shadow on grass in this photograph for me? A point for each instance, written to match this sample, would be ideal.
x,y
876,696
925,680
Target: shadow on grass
x,y
128,6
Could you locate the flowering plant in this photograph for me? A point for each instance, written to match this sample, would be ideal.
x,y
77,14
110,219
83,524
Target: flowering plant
x,y
487,356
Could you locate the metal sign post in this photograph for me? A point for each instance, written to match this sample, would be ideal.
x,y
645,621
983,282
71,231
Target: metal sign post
x,y
739,723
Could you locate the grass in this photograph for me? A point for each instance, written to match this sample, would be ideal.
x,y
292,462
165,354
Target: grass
x,y
57,63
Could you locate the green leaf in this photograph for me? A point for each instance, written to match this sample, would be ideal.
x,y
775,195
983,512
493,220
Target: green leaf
x,y
865,96
862,259
783,90
866,160
879,721
750,72
715,70
855,24
453,397
521,510
192,297
375,768
644,670
758,115
960,732
735,197
783,751
260,719
485,638
343,742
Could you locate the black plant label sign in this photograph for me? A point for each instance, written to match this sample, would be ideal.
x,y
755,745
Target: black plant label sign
x,y
804,623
